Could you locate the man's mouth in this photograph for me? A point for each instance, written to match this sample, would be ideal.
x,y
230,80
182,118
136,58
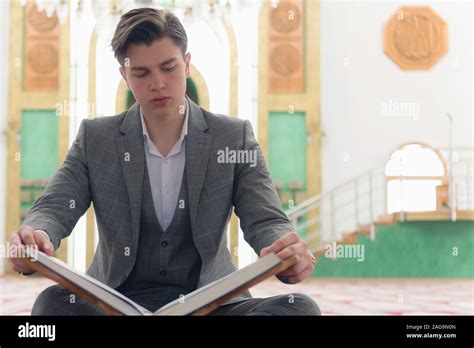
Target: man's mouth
x,y
160,99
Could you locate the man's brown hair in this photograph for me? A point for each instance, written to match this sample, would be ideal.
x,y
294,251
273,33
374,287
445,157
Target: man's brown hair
x,y
145,25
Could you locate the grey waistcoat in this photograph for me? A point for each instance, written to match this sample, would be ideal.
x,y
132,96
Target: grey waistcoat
x,y
168,264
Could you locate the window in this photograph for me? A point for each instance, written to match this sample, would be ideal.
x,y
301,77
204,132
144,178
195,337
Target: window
x,y
413,173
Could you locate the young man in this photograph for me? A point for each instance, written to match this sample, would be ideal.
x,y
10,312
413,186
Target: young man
x,y
162,198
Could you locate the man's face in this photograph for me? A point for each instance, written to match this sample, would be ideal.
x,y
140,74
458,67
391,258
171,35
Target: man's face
x,y
156,75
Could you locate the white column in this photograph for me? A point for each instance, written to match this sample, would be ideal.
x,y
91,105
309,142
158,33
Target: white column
x,y
6,66
246,31
79,108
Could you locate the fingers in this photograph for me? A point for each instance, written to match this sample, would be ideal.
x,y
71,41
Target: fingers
x,y
19,267
43,243
15,239
265,251
299,248
302,275
25,236
280,244
295,269
288,246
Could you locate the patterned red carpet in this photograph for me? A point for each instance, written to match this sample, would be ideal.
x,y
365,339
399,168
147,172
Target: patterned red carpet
x,y
334,296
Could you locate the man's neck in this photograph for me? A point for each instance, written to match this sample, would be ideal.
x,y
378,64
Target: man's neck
x,y
165,130
165,126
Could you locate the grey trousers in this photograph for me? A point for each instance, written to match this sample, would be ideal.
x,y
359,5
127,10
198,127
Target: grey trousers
x,y
57,300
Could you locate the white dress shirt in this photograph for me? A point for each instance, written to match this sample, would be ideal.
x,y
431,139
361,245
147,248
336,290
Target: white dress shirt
x,y
165,173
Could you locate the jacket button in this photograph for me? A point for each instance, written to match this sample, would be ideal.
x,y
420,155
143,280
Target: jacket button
x,y
164,244
163,273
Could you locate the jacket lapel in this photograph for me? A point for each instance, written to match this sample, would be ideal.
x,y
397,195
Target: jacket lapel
x,y
198,149
130,148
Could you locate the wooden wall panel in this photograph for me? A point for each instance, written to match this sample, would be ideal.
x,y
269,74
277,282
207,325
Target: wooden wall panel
x,y
42,37
286,47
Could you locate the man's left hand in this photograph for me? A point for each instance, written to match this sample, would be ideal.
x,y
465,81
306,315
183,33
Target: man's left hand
x,y
287,246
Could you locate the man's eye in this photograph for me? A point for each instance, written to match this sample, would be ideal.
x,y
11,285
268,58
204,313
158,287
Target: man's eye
x,y
168,69
142,75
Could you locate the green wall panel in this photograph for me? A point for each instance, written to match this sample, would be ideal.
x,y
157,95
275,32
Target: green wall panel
x,y
39,153
287,147
39,144
410,250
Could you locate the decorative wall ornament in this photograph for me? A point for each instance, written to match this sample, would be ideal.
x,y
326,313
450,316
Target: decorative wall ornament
x,y
286,47
40,21
285,17
42,38
415,38
285,59
42,58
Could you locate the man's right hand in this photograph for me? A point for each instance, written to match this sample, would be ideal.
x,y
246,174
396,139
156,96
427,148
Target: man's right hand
x,y
26,235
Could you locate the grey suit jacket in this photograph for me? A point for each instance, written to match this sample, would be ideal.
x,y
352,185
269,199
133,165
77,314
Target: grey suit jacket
x,y
105,165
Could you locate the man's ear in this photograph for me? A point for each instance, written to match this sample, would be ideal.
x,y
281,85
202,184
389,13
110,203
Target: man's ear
x,y
188,62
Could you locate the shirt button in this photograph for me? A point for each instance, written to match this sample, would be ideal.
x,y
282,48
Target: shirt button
x,y
166,161
163,273
164,244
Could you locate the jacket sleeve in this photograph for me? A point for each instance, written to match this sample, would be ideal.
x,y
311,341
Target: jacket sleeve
x,y
255,199
66,197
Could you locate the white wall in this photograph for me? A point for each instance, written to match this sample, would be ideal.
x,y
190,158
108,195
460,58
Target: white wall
x,y
5,65
358,78
209,48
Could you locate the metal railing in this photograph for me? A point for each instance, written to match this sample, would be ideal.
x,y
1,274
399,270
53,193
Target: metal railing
x,y
463,175
362,201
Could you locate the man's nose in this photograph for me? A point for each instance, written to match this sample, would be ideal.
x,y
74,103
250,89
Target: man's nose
x,y
157,81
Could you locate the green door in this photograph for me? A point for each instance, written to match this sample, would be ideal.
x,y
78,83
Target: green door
x,y
287,150
287,157
39,153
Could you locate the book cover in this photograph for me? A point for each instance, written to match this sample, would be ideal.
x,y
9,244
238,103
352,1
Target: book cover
x,y
199,302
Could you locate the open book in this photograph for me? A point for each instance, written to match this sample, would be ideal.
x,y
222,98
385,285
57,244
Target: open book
x,y
199,302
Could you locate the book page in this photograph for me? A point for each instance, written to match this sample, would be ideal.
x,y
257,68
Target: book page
x,y
91,285
221,287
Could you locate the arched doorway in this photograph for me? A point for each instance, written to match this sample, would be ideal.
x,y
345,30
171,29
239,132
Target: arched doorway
x,y
416,178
